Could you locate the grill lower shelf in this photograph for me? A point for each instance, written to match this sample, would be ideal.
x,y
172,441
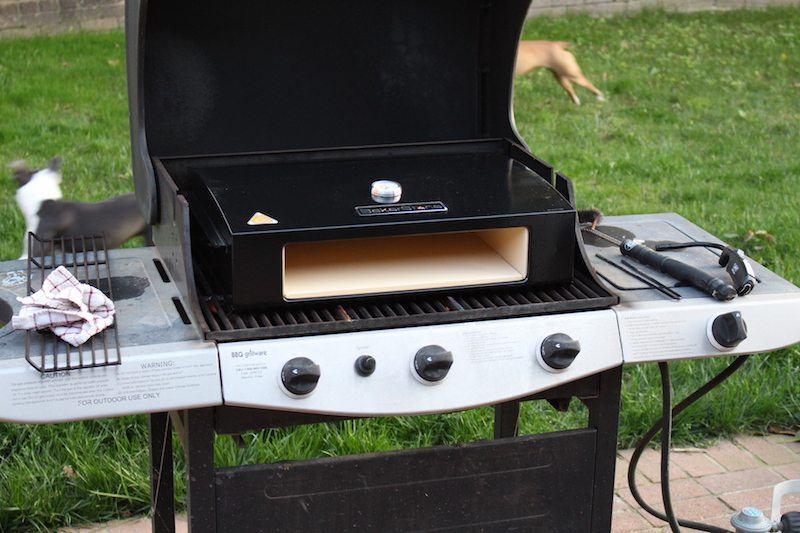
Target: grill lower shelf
x,y
503,485
225,325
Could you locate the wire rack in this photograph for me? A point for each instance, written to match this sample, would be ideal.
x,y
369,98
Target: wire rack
x,y
87,258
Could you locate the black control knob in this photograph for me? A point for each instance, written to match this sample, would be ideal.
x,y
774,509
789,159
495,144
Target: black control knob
x,y
559,351
728,330
365,365
432,363
790,522
300,376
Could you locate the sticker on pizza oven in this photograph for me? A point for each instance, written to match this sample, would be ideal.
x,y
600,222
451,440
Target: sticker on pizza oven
x,y
260,219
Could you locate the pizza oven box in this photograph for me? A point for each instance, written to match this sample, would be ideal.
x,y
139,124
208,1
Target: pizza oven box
x,y
266,123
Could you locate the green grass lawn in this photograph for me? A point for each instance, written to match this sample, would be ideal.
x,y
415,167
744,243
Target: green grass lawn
x,y
702,119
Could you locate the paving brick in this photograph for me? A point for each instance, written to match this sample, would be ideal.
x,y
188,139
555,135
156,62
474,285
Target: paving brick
x,y
136,525
701,508
723,521
621,473
766,450
794,446
626,495
743,480
790,502
696,463
652,496
681,489
732,457
789,442
790,471
650,465
620,504
760,498
625,521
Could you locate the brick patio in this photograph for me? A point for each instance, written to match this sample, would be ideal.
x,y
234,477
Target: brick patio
x,y
708,484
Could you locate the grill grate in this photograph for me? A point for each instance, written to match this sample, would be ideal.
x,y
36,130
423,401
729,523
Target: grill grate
x,y
227,325
87,258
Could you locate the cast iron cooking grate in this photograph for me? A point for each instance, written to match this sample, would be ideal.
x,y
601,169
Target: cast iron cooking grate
x,y
227,325
87,258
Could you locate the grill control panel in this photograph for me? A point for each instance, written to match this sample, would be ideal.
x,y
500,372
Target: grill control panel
x,y
653,331
420,369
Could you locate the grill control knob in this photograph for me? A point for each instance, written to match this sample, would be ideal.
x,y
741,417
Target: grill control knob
x,y
726,331
299,376
558,351
365,365
790,522
432,363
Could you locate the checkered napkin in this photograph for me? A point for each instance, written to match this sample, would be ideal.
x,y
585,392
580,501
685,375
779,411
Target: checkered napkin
x,y
74,311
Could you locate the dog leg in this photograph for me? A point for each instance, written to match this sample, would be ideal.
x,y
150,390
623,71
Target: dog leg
x,y
583,82
564,82
569,68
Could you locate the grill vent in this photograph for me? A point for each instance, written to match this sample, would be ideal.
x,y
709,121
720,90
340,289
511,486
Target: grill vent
x,y
226,325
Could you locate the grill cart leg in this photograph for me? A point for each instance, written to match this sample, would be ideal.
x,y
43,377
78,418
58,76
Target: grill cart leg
x,y
506,419
196,430
161,474
604,417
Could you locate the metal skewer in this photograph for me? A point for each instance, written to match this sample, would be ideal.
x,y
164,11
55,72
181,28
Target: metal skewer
x,y
653,284
648,277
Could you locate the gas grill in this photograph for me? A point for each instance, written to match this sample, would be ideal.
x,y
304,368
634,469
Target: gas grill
x,y
330,202
347,225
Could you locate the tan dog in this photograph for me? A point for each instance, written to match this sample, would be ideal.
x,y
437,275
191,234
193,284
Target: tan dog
x,y
554,57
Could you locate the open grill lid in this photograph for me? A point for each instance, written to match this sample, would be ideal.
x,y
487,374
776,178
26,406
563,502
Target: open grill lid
x,y
208,77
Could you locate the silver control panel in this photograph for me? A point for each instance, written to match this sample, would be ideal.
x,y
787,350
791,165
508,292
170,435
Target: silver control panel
x,y
420,369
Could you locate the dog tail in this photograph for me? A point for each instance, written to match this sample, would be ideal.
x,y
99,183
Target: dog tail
x,y
564,44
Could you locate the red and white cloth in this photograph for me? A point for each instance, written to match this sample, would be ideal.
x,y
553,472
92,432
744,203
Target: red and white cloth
x,y
74,311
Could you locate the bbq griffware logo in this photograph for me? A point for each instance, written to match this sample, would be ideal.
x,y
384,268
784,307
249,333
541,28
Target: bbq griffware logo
x,y
260,219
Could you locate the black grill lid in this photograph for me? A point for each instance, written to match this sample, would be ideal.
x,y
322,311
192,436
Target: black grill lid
x,y
210,77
